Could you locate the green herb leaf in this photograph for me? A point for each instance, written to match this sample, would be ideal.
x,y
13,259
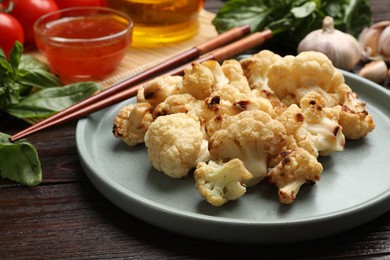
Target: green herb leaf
x,y
291,20
32,72
304,10
52,100
14,56
19,161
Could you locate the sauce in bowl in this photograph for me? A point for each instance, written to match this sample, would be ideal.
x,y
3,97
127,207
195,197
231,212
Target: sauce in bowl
x,y
82,43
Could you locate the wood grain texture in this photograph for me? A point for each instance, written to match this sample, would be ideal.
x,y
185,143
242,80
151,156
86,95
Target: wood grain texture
x,y
67,218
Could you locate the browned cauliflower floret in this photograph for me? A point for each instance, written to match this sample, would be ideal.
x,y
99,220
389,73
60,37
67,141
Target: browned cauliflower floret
x,y
297,135
322,124
291,78
255,68
219,182
313,127
219,77
296,167
233,71
251,136
158,89
132,122
354,118
198,81
175,144
178,103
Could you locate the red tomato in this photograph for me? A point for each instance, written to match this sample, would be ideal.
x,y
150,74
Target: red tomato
x,y
103,3
75,3
28,11
11,31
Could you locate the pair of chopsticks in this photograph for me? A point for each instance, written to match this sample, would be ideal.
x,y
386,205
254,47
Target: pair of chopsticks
x,y
232,44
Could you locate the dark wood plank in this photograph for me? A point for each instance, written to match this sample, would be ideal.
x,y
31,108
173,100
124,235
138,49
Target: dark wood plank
x,y
66,217
75,221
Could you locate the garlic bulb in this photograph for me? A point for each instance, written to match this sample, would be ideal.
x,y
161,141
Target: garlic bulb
x,y
375,41
341,48
375,71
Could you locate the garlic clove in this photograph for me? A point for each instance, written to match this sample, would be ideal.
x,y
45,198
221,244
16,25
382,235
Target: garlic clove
x,y
375,41
368,39
375,71
384,42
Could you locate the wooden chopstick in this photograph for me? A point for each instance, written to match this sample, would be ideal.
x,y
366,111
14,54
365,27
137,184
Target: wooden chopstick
x,y
220,54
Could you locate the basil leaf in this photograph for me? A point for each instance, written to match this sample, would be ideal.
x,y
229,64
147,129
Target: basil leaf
x,y
19,161
304,10
14,56
38,78
28,62
46,102
11,93
32,72
5,67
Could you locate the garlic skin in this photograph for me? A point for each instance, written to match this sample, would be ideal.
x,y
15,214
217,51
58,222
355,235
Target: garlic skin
x,y
341,48
375,41
375,71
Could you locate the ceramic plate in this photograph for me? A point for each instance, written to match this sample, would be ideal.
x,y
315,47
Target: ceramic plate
x,y
354,186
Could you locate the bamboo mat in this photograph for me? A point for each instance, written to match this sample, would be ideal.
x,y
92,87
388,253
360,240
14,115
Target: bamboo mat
x,y
138,59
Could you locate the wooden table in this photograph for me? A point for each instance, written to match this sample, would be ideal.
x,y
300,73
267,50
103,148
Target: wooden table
x,y
66,217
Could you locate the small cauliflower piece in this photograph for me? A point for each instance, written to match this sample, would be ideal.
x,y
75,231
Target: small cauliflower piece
x,y
251,136
255,68
219,182
219,77
158,89
296,167
354,118
178,103
233,71
297,135
132,122
198,81
175,144
322,124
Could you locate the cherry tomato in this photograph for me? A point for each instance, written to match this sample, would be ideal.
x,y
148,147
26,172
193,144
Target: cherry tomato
x,y
28,11
11,31
75,3
103,3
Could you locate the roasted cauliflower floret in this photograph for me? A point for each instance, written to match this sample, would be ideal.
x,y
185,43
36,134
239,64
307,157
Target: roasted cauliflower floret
x,y
251,136
219,77
354,118
296,167
297,135
158,89
132,122
233,71
219,182
175,144
322,124
255,68
198,81
291,78
178,103
313,127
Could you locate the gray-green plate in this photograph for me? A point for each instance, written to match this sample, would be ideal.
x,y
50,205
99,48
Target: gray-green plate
x,y
354,186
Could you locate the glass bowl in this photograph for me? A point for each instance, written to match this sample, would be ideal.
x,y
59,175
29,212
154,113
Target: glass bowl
x,y
84,41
